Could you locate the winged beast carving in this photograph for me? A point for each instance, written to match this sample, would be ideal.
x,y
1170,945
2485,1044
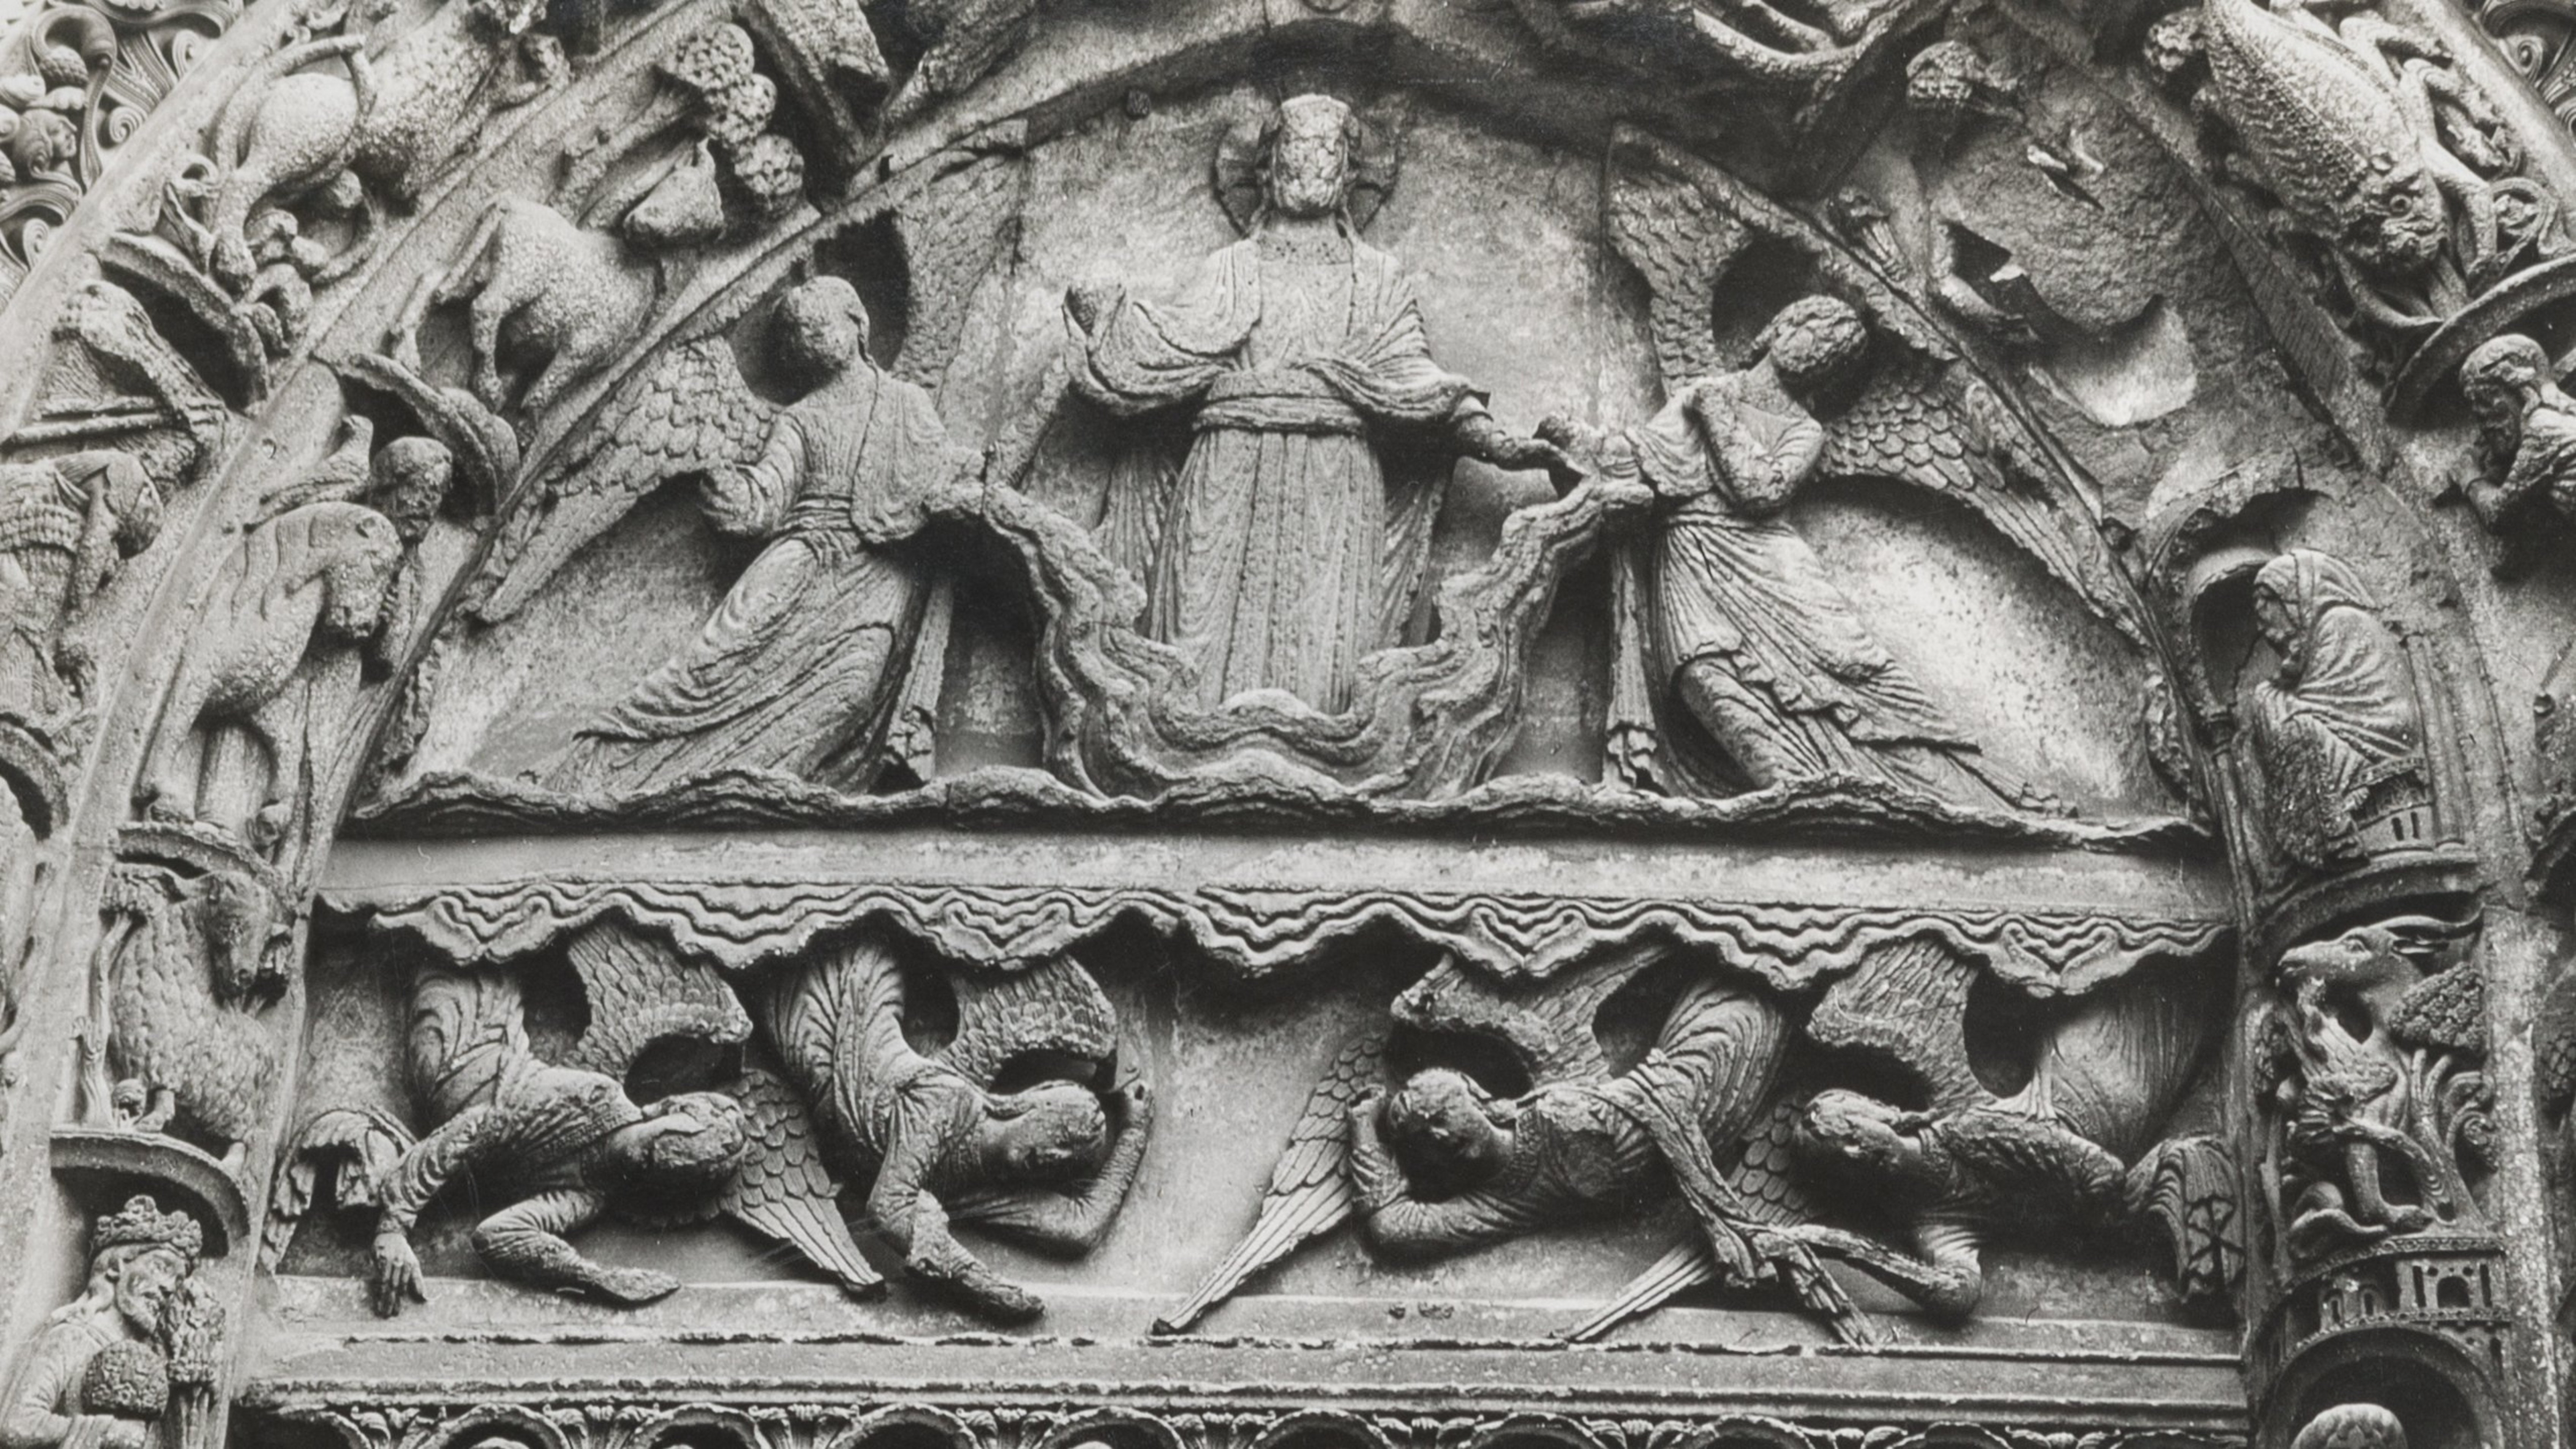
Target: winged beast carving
x,y
2372,1058
1441,1164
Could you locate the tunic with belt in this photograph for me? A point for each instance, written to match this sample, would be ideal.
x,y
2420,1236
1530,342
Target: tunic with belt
x,y
1282,559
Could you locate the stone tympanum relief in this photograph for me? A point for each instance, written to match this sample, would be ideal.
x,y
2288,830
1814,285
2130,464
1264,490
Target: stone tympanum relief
x,y
1265,721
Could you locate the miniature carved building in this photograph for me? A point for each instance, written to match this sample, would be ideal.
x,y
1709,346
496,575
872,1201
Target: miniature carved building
x,y
1286,724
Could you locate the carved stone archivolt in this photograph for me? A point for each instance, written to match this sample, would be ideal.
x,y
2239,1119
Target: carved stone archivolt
x,y
1616,725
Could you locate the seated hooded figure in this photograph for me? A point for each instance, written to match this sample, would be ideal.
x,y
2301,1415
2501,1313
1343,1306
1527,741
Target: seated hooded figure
x,y
2334,734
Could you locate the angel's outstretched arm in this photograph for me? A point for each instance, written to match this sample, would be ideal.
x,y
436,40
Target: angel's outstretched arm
x,y
752,501
1072,1219
1403,1225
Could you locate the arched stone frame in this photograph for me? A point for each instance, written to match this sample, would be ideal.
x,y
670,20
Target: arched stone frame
x,y
2460,630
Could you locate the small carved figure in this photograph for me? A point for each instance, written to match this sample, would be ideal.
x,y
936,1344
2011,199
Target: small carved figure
x,y
2334,736
2370,1063
65,525
1048,1164
1441,1164
574,295
104,1370
192,969
313,576
42,108
1973,1167
2526,438
805,666
1286,551
1745,636
567,1146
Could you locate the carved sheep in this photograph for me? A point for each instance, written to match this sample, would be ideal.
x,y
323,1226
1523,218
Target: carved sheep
x,y
557,288
187,987
315,574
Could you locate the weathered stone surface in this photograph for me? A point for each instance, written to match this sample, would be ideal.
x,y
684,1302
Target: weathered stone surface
x,y
1824,723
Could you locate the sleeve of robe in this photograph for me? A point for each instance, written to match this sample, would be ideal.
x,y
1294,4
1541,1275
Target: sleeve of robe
x,y
752,502
1388,374
1147,355
910,471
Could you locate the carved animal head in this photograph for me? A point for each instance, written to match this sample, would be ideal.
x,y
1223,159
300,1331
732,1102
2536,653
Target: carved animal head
x,y
1447,1126
353,551
689,1145
237,919
1053,1132
1862,1135
2393,219
2399,950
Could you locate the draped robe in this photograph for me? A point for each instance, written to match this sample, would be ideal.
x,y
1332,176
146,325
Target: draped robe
x,y
801,666
1729,583
2335,733
1281,559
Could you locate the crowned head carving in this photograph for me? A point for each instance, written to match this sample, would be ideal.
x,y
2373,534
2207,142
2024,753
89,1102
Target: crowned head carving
x,y
138,1257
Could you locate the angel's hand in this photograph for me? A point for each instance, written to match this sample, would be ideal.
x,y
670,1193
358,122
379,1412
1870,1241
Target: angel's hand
x,y
397,1274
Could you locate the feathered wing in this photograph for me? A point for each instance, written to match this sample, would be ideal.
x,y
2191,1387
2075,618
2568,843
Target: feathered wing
x,y
1938,427
1310,1190
1768,1192
1549,1026
1053,1007
783,1188
640,989
468,1032
690,412
1681,243
1907,1005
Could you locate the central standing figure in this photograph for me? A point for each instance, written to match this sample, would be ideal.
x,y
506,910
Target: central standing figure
x,y
1284,555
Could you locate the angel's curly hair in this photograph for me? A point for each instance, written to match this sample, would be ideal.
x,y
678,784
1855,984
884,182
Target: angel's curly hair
x,y
1814,341
703,1160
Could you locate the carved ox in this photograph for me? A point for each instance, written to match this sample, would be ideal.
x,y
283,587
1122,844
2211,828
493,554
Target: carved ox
x,y
314,574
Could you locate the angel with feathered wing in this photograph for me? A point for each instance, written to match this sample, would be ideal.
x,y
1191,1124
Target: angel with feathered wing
x,y
805,666
1744,634
1049,1164
1440,1165
567,1146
